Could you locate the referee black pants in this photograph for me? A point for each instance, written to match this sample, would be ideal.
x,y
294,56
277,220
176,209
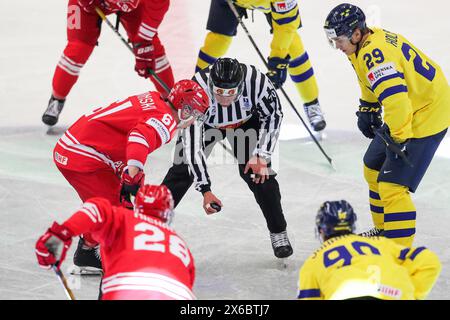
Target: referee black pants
x,y
179,179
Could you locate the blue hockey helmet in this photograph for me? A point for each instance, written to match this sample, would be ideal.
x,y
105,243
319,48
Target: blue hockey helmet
x,y
343,20
335,217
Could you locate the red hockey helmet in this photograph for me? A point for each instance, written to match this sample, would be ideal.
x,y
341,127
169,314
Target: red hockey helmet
x,y
123,5
191,101
154,200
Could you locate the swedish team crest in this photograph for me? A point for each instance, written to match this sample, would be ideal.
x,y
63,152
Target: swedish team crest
x,y
342,215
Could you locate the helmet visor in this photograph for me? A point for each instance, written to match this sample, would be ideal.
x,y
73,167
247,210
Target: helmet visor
x,y
230,92
225,96
334,40
188,114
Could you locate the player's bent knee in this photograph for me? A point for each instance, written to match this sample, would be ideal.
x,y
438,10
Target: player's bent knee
x,y
216,44
78,52
391,191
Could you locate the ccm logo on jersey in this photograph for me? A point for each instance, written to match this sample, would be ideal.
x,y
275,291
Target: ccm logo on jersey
x,y
61,159
381,71
285,6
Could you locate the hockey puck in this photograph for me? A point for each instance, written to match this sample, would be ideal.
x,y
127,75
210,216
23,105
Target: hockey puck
x,y
215,206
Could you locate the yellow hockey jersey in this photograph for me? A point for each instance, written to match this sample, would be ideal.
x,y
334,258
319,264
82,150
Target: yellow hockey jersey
x,y
352,266
285,21
411,87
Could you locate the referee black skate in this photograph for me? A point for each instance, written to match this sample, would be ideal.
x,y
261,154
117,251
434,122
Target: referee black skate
x,y
244,108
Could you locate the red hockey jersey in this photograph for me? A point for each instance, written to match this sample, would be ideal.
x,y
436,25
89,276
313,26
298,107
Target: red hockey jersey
x,y
142,257
123,133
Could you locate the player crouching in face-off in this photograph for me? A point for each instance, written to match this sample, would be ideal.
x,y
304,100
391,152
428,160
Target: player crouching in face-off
x,y
349,266
103,153
143,257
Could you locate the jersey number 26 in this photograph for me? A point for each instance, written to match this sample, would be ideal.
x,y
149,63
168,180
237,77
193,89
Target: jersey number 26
x,y
153,238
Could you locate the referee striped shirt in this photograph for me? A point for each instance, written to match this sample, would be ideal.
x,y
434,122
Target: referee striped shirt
x,y
258,98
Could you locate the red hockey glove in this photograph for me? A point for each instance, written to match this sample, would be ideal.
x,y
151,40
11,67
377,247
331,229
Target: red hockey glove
x,y
51,248
129,186
89,5
145,58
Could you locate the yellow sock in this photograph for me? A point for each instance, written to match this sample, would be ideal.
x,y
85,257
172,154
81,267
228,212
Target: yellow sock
x,y
301,71
376,204
399,213
215,46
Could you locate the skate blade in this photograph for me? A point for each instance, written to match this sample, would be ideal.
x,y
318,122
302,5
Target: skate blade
x,y
85,271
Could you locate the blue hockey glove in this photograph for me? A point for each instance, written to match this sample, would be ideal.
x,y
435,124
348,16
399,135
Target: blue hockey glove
x,y
369,118
394,150
277,70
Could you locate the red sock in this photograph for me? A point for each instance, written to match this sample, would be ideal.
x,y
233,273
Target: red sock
x,y
69,66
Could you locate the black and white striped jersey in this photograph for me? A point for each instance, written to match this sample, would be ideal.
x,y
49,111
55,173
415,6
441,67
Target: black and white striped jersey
x,y
258,98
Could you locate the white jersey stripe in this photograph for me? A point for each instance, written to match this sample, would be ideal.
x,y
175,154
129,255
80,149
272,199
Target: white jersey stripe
x,y
149,288
146,26
71,137
138,140
66,69
70,143
93,208
69,66
161,69
145,36
75,64
146,281
89,214
60,143
137,134
135,163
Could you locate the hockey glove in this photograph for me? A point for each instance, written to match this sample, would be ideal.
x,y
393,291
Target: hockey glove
x,y
129,186
369,118
145,58
394,150
89,5
277,70
51,248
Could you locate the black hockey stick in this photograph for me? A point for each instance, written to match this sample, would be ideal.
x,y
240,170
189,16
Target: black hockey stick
x,y
236,14
63,282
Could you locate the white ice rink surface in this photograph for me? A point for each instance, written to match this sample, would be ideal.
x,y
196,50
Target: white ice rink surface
x,y
232,249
